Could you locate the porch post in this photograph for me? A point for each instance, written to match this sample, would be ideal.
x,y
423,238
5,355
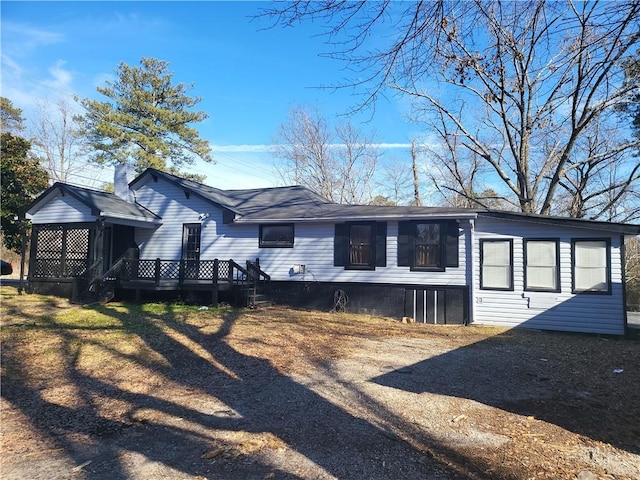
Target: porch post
x,y
214,291
97,251
33,248
23,252
157,271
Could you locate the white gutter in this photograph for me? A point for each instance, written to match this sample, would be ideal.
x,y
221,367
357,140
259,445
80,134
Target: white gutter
x,y
132,220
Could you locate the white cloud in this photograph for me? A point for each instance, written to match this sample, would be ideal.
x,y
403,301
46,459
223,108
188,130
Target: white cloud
x,y
265,148
61,79
392,146
19,39
242,148
26,88
25,85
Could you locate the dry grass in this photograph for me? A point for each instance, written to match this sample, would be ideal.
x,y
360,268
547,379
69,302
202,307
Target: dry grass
x,y
77,372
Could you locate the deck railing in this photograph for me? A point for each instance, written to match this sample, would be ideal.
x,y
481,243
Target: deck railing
x,y
183,272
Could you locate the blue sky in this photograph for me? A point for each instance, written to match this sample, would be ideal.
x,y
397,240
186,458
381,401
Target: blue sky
x,y
249,75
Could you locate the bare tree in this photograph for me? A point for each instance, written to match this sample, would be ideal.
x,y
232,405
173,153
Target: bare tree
x,y
338,163
417,201
599,184
56,140
457,174
519,83
632,272
394,182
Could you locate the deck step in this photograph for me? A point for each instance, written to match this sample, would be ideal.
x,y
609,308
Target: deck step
x,y
258,300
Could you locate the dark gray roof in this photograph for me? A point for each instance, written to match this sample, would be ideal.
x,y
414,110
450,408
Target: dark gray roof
x,y
101,203
333,211
626,228
245,202
299,204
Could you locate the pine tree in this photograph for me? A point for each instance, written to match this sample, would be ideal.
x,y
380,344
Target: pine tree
x,y
146,119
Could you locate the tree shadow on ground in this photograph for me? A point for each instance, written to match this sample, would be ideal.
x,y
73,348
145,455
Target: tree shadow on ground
x,y
562,378
245,394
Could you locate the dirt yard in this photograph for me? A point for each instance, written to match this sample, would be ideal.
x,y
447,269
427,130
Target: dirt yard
x,y
171,391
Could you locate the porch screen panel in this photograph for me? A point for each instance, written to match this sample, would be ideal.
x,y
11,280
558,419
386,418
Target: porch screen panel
x,y
48,253
77,251
60,251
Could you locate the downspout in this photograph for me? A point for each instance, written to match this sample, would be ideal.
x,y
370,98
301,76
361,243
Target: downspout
x,y
623,264
471,263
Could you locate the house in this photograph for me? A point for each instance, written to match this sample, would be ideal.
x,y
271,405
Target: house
x,y
434,265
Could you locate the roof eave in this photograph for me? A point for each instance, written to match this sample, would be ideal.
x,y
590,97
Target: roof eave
x,y
623,228
356,218
132,220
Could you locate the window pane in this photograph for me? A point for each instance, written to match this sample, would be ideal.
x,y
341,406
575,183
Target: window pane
x,y
276,235
542,265
590,278
496,253
427,245
591,254
427,255
496,264
541,277
590,266
427,233
360,246
496,277
541,253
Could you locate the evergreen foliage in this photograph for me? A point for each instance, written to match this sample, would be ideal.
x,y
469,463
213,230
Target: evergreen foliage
x,y
146,119
22,180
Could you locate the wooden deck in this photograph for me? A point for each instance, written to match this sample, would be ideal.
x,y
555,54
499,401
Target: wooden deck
x,y
129,273
170,275
175,284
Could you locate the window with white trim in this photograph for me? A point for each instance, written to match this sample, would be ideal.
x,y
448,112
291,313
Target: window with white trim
x,y
542,266
591,266
496,264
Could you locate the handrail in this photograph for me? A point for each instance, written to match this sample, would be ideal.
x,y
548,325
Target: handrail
x,y
86,279
233,265
116,267
258,271
94,265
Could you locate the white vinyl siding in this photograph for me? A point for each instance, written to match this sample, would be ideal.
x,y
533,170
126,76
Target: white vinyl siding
x,y
542,265
63,209
312,247
590,269
547,310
